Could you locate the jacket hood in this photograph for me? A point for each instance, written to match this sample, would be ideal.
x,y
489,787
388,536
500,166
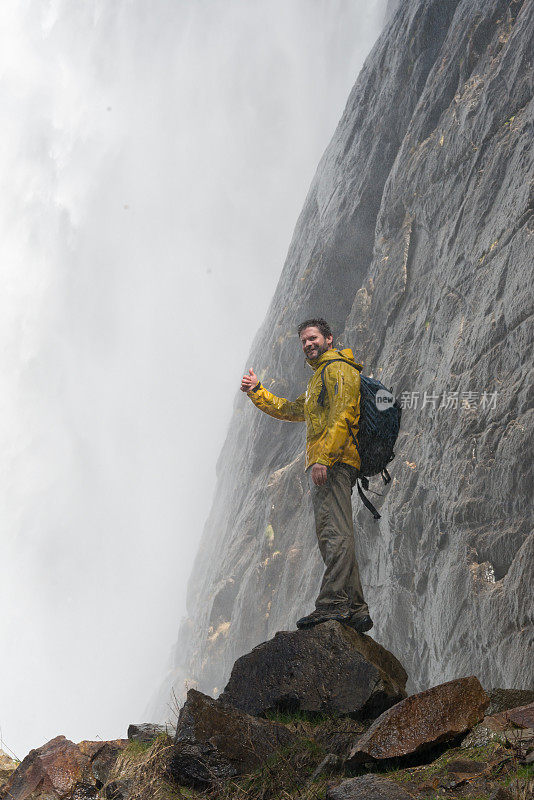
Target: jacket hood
x,y
330,355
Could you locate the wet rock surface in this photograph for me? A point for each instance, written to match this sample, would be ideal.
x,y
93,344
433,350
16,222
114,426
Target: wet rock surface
x,y
226,753
53,770
512,725
62,769
415,240
368,787
215,741
328,669
104,759
522,717
146,732
503,699
422,721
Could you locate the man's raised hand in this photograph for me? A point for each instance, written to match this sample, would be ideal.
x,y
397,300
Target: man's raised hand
x,y
249,381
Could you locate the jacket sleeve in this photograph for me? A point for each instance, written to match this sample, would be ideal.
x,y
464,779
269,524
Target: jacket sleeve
x,y
278,407
343,390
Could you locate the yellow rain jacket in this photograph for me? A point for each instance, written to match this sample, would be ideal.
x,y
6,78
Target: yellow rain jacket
x,y
331,429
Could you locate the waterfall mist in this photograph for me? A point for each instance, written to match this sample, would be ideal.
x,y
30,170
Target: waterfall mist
x,y
155,158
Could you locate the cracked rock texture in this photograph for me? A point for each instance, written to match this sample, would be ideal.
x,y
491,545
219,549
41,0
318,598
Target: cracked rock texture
x,y
215,741
329,669
423,720
368,787
416,242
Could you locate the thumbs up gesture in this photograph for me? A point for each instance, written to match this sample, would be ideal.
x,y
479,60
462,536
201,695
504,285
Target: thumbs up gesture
x,y
249,381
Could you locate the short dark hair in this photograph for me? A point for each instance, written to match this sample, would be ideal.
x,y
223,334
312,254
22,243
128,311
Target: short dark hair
x,y
320,323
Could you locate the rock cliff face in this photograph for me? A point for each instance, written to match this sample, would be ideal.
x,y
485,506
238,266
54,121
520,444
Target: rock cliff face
x,y
416,242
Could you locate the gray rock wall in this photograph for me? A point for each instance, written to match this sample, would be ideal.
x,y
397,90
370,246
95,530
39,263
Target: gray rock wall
x,y
416,241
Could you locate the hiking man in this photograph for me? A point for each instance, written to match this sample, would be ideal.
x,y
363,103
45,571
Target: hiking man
x,y
330,406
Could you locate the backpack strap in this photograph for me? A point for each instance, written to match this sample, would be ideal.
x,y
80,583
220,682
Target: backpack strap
x,y
322,394
365,500
364,481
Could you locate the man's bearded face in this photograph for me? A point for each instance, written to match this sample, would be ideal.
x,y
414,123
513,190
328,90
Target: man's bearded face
x,y
314,343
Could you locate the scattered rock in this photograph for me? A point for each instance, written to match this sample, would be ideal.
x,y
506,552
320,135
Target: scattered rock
x,y
511,725
7,766
430,785
464,766
461,770
215,741
329,764
104,760
146,732
368,787
504,699
521,717
423,720
480,736
502,794
328,669
118,790
51,771
62,769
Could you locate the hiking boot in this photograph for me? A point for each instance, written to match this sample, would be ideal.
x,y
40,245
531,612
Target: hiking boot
x,y
323,615
360,623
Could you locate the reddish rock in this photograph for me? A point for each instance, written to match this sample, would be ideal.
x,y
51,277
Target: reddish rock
x,y
91,749
521,717
417,723
103,757
62,769
215,741
51,771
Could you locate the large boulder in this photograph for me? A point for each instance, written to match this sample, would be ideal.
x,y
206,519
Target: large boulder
x,y
368,787
423,720
327,669
50,771
215,741
61,769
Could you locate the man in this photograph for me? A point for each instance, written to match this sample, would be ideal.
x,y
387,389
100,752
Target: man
x,y
330,407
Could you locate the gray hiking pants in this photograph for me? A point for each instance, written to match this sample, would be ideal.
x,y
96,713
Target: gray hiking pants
x,y
332,508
